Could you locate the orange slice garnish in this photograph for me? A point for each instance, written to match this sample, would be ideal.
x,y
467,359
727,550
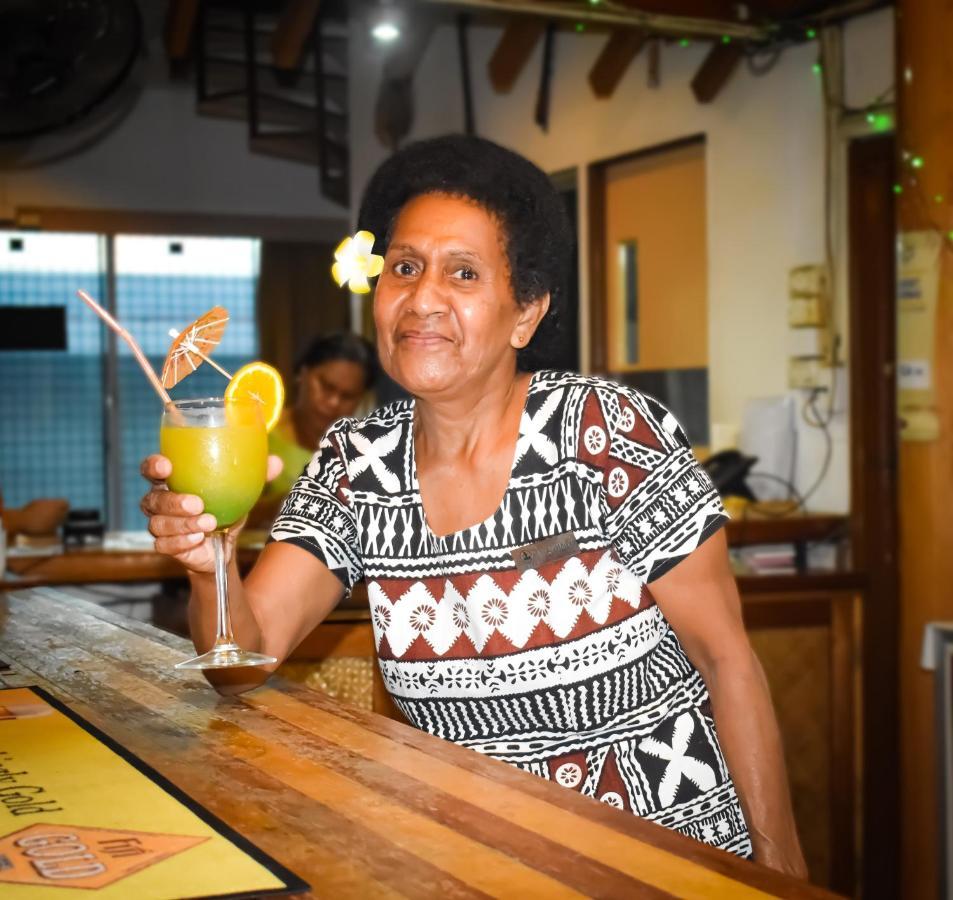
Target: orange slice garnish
x,y
259,381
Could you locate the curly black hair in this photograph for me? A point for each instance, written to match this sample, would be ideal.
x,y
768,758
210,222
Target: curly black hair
x,y
537,233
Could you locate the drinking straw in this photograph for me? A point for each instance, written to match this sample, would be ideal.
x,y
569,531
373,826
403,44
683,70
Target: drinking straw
x,y
131,341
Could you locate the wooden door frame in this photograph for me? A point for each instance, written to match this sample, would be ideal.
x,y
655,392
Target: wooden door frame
x,y
874,515
596,225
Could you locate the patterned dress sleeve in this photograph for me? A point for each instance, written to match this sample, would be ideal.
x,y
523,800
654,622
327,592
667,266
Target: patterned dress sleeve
x,y
318,514
658,503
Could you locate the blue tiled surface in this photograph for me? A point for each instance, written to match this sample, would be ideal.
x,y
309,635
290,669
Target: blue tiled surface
x,y
149,305
51,403
51,408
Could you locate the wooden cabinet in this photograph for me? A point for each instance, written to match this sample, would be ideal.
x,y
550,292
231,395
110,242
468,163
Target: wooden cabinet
x,y
806,630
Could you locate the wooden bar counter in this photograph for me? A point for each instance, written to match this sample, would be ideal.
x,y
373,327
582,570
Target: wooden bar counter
x,y
356,804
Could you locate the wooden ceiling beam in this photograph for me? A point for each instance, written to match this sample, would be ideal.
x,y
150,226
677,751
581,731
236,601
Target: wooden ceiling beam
x,y
714,72
180,21
614,15
622,47
513,51
292,32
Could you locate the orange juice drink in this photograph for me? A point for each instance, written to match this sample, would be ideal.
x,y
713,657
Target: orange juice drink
x,y
224,463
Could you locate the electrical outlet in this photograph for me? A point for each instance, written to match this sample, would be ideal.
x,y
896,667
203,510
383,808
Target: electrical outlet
x,y
808,297
806,373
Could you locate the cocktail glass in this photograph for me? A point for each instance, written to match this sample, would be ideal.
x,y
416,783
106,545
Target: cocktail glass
x,y
219,451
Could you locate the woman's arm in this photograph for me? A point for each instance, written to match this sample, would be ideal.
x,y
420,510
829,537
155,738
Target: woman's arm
x,y
700,599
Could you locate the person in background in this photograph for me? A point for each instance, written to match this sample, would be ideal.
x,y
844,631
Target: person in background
x,y
332,377
37,518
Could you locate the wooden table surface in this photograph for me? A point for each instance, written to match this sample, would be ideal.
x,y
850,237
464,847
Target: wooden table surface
x,y
356,804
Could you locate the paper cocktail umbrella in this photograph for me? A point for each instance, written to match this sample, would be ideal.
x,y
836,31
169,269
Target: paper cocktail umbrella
x,y
193,345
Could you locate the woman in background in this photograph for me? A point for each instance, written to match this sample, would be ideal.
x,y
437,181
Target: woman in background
x,y
332,377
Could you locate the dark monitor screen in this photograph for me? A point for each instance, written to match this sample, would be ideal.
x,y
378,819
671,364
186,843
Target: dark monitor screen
x,y
32,327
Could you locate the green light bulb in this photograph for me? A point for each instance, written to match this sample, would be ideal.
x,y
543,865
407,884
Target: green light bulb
x,y
898,188
811,34
817,68
917,162
684,42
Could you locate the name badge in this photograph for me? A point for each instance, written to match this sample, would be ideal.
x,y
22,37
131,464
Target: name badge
x,y
533,556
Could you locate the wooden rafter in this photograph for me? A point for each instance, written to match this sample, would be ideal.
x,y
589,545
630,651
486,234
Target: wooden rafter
x,y
616,56
516,45
292,31
180,21
714,72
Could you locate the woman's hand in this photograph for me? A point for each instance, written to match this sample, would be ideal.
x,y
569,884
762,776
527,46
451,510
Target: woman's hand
x,y
178,521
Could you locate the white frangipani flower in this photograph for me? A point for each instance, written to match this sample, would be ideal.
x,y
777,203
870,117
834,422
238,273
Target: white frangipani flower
x,y
355,263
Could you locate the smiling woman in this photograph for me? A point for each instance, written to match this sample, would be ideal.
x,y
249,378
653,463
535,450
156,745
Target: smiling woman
x,y
544,559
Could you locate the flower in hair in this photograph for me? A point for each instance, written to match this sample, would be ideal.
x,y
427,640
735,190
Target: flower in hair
x,y
354,262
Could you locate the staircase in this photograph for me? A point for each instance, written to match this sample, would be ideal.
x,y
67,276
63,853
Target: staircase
x,y
282,68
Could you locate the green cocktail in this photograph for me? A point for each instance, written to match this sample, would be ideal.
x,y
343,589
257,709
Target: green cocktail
x,y
219,451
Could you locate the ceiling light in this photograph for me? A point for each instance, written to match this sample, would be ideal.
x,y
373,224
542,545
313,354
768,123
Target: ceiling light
x,y
385,32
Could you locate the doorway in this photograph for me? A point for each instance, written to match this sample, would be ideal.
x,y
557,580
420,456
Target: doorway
x,y
649,277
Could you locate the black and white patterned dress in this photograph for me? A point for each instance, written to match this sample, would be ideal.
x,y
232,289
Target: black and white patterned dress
x,y
567,669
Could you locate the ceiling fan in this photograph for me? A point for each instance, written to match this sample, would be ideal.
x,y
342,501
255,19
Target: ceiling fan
x,y
65,68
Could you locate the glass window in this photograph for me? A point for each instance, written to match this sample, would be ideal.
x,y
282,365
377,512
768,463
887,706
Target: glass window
x,y
164,283
51,401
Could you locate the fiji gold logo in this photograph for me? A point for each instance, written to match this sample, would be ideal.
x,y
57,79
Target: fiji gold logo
x,y
80,857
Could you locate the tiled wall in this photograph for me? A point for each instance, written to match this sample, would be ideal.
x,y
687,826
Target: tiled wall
x,y
149,305
51,409
51,402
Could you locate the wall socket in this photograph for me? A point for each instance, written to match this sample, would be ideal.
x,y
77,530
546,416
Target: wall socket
x,y
806,373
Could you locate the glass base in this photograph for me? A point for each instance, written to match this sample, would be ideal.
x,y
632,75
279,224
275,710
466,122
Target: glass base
x,y
226,656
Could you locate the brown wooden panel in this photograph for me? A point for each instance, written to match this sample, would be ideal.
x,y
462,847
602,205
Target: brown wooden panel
x,y
796,662
513,51
925,487
131,221
873,492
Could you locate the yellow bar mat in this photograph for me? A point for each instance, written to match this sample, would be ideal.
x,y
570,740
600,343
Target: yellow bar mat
x,y
78,811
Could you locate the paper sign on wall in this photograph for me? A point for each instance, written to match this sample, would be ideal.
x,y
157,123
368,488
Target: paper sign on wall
x,y
918,282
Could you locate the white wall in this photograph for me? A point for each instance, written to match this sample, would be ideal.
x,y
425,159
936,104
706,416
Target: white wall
x,y
165,157
765,173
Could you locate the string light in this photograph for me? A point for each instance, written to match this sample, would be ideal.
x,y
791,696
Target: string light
x,y
726,38
880,121
817,68
684,42
810,34
916,162
580,27
898,189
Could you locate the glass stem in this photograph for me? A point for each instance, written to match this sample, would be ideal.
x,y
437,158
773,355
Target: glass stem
x,y
224,635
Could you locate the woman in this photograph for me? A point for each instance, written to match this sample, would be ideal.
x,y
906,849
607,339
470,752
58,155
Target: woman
x,y
545,563
332,376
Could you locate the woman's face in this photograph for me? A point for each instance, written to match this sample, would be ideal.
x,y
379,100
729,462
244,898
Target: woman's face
x,y
444,308
330,390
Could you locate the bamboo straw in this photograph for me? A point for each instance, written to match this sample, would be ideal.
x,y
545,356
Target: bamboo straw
x,y
131,341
